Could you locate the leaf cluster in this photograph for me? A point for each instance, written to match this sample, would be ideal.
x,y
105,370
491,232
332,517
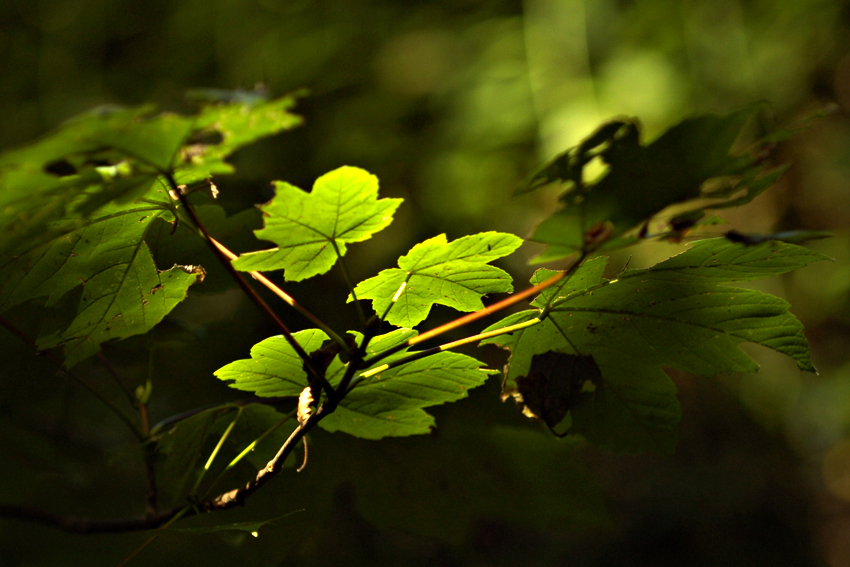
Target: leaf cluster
x,y
82,208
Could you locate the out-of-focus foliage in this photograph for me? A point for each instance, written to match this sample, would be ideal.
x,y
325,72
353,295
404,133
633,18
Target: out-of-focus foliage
x,y
451,104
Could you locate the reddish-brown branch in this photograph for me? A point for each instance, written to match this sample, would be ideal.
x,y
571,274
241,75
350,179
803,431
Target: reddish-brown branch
x,y
250,291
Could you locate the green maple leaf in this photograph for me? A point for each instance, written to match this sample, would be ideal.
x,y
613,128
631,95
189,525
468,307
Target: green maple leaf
x,y
122,291
389,404
221,129
63,175
33,194
274,369
454,274
676,314
311,230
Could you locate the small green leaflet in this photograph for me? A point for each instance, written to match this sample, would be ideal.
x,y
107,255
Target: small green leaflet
x,y
675,314
389,404
123,293
274,369
454,274
311,230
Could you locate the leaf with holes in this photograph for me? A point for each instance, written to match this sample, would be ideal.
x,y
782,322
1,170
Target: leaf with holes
x,y
311,230
221,129
455,274
676,314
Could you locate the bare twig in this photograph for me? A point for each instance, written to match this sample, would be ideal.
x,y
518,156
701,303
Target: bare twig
x,y
480,314
449,346
286,297
86,525
117,377
237,497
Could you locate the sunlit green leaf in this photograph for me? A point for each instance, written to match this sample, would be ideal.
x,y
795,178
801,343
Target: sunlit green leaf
x,y
274,369
389,404
312,229
231,123
455,274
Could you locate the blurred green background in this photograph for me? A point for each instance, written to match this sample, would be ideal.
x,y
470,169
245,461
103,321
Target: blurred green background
x,y
451,104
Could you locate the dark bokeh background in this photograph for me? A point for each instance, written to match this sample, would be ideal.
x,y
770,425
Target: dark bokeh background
x,y
451,104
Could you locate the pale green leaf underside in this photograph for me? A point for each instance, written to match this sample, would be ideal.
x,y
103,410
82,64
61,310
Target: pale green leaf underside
x,y
56,178
274,369
311,230
391,404
674,314
455,274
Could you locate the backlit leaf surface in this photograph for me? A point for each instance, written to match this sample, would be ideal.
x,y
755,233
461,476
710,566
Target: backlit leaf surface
x,y
312,229
274,369
390,404
455,274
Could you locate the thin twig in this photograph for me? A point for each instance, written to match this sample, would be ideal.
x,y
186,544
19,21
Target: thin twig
x,y
449,346
238,496
79,379
117,377
480,314
286,297
86,525
250,291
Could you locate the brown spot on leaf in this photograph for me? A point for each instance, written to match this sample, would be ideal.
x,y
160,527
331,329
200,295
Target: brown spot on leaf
x,y
555,384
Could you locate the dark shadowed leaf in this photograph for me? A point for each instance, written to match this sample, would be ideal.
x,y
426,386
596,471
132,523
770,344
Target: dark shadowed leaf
x,y
123,292
676,314
642,180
